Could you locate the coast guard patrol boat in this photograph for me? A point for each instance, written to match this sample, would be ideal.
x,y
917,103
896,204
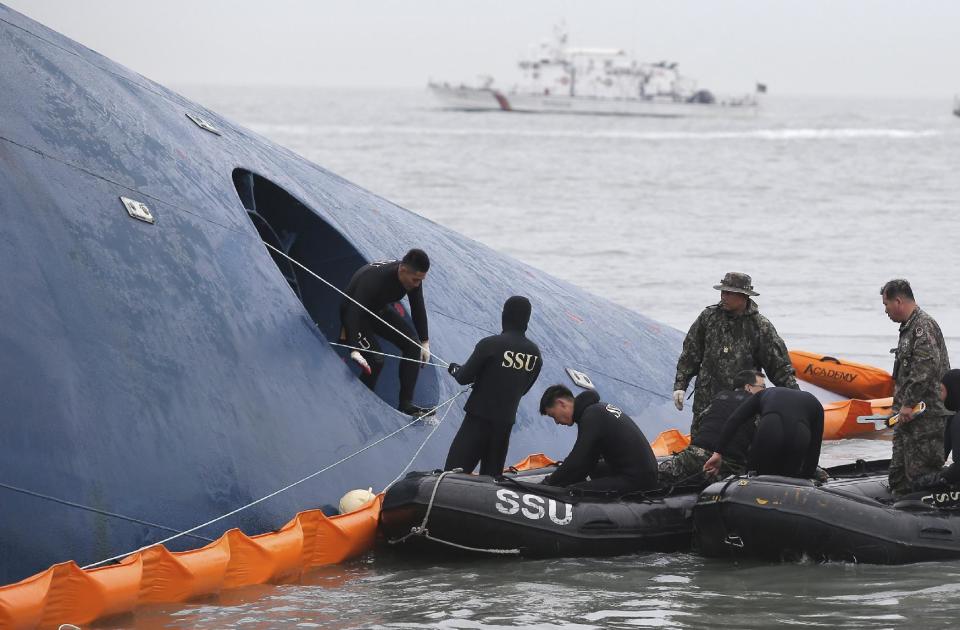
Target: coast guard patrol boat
x,y
559,78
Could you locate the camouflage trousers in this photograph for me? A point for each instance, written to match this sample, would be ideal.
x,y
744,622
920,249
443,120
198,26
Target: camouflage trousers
x,y
917,451
687,467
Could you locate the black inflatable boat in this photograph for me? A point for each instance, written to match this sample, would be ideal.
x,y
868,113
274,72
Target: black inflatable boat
x,y
852,517
515,515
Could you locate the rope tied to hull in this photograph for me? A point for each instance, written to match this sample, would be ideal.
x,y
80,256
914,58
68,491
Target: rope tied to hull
x,y
190,531
424,443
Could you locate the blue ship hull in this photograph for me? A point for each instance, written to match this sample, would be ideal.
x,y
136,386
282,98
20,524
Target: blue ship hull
x,y
157,375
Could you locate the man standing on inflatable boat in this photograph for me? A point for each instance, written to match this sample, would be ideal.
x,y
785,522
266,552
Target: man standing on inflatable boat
x,y
502,369
726,338
604,431
920,364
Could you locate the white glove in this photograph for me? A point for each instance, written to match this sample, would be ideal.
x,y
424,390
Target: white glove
x,y
424,353
356,356
678,399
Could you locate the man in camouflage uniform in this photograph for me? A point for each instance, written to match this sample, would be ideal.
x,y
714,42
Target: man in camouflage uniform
x,y
726,338
921,361
686,467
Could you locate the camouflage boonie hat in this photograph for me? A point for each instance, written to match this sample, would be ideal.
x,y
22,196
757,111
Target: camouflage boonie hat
x,y
736,283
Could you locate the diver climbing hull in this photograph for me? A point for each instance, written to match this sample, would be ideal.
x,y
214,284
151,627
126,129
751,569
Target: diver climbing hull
x,y
846,519
517,516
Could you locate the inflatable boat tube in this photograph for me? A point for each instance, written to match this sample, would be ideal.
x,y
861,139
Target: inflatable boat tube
x,y
845,378
850,518
515,515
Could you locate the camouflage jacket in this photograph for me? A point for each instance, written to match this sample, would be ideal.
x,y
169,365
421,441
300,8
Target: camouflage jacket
x,y
921,361
719,345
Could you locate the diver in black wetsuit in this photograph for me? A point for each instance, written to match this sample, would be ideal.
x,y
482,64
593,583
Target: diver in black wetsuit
x,y
687,465
950,395
502,369
788,436
604,431
376,286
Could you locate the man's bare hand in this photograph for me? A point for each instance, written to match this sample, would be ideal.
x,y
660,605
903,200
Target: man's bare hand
x,y
712,467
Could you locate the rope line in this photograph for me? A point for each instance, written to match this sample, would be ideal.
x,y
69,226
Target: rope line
x,y
417,453
422,529
385,354
97,510
276,492
335,288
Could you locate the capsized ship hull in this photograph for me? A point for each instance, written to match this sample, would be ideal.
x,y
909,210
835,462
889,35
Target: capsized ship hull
x,y
158,375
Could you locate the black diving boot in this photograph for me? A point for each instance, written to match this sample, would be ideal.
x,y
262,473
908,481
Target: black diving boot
x,y
415,411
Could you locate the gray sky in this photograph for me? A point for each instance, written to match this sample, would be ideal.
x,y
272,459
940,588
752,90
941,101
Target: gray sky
x,y
822,47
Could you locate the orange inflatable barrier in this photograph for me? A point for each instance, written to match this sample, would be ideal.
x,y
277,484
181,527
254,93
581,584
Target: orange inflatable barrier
x,y
844,378
65,593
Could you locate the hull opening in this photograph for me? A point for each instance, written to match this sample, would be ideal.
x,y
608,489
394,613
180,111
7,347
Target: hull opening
x,y
290,226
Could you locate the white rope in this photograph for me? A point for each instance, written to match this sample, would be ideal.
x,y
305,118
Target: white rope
x,y
395,356
275,493
332,286
415,455
422,529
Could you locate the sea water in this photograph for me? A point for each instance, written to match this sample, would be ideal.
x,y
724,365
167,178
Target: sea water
x,y
821,200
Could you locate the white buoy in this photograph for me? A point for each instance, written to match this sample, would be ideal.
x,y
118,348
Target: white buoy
x,y
356,499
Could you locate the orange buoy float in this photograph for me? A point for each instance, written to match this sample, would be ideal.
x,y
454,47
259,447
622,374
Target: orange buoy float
x,y
669,442
844,378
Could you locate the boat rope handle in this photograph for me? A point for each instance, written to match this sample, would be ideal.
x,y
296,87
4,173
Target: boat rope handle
x,y
276,492
385,354
335,288
422,530
97,510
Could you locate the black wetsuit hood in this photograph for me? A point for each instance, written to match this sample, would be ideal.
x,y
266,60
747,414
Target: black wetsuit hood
x,y
951,380
582,401
516,314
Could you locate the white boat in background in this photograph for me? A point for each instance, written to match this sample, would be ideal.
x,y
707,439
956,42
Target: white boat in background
x,y
563,79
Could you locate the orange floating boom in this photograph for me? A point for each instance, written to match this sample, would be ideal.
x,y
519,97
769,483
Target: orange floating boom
x,y
65,593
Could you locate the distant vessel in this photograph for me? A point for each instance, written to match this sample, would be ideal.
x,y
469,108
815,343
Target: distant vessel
x,y
956,105
565,79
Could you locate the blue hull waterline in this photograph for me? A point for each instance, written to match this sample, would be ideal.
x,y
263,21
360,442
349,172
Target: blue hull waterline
x,y
156,375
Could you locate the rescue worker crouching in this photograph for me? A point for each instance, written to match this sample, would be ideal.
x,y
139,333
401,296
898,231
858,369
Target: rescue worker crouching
x,y
376,286
687,465
502,369
603,432
788,436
